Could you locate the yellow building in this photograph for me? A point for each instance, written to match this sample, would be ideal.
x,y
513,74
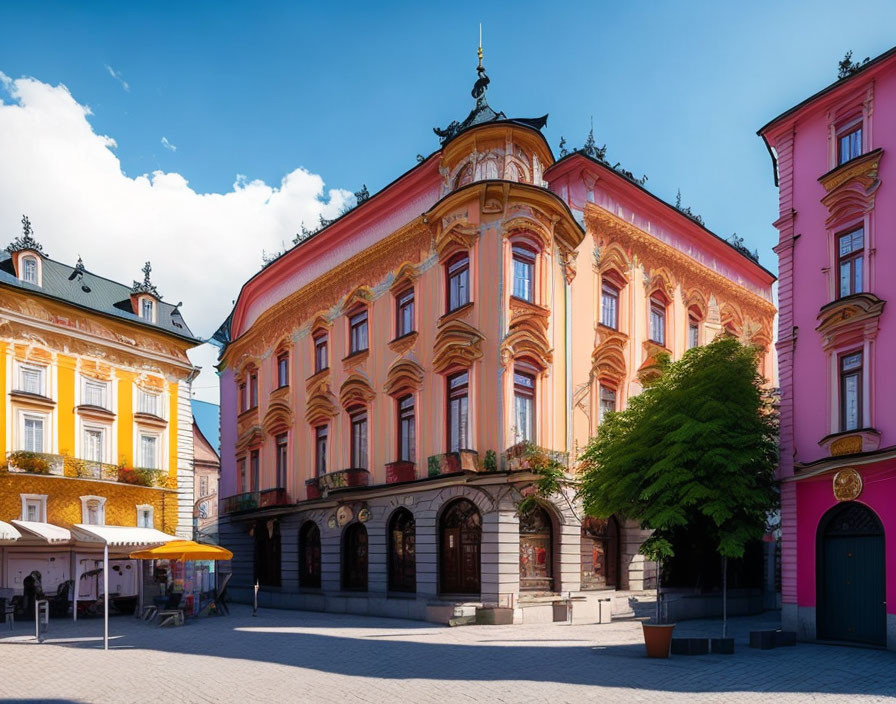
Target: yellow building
x,y
95,420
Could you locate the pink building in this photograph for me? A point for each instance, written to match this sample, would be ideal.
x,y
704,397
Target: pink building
x,y
382,380
838,409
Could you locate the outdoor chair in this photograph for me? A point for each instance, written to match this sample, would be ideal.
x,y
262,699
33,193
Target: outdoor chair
x,y
173,611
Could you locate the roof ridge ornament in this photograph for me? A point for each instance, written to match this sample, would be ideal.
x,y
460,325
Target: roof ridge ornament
x,y
26,241
147,285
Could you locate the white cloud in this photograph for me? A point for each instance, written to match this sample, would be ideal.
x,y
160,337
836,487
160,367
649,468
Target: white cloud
x,y
117,76
203,246
168,145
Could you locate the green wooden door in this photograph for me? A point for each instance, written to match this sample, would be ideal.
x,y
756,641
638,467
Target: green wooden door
x,y
851,577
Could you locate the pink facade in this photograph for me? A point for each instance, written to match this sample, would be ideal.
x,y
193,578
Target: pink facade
x,y
835,341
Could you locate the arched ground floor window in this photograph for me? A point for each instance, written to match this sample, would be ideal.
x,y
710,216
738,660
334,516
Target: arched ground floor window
x,y
267,552
600,553
536,553
460,535
354,558
309,556
402,552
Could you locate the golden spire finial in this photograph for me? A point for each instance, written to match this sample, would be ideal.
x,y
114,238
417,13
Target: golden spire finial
x,y
479,68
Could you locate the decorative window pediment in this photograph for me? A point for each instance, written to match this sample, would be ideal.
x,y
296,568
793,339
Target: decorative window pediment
x,y
528,342
278,417
457,344
458,235
361,296
251,437
321,404
355,391
851,188
608,358
849,319
404,277
404,376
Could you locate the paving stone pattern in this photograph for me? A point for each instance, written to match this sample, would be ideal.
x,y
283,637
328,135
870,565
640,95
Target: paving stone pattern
x,y
293,656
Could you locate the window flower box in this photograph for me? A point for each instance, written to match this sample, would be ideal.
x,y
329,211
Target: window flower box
x,y
453,462
400,471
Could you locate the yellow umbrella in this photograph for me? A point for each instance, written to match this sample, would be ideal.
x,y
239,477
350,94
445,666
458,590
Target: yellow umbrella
x,y
183,550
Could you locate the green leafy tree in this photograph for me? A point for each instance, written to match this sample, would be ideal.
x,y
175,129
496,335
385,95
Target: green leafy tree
x,y
699,441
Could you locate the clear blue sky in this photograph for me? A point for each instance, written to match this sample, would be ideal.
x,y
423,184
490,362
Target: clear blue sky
x,y
351,90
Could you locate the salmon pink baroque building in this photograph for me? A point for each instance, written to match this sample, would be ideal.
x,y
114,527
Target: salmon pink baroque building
x,y
835,341
388,383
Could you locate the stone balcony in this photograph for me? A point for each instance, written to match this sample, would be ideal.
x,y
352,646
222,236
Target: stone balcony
x,y
46,464
321,486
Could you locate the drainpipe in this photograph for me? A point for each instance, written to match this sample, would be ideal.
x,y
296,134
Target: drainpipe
x,y
567,335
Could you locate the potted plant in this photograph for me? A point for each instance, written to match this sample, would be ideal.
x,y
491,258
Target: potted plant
x,y
697,445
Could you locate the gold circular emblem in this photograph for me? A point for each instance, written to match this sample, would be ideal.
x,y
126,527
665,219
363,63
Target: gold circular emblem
x,y
847,484
363,515
343,515
331,521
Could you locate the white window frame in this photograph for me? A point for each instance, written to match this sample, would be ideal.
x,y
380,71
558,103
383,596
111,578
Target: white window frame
x,y
20,441
85,516
41,371
143,394
104,442
105,399
158,459
40,500
143,301
146,511
32,259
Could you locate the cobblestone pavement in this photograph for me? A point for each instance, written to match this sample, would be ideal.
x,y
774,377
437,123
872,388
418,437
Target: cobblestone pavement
x,y
291,656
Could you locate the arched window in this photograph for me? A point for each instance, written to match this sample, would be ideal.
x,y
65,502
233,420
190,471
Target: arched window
x,y
460,535
457,275
658,319
524,272
694,319
309,556
600,553
267,552
29,270
464,177
354,558
402,552
536,559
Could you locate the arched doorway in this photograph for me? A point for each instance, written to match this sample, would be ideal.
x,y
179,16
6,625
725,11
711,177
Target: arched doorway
x,y
600,553
850,576
402,552
309,556
460,533
354,558
536,555
267,552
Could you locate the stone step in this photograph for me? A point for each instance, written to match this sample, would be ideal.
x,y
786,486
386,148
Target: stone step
x,y
462,620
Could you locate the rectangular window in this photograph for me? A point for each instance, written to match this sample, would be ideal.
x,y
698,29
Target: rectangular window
x,y
407,440
31,380
93,445
849,145
458,412
458,282
34,510
93,513
253,390
658,321
203,486
609,306
693,333
321,361
359,439
850,247
254,470
146,309
148,403
606,403
523,273
524,406
404,313
321,434
357,331
244,478
144,518
241,392
282,459
149,451
94,393
34,434
851,391
282,371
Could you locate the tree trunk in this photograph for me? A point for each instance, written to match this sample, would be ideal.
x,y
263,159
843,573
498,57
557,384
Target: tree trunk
x,y
724,597
658,610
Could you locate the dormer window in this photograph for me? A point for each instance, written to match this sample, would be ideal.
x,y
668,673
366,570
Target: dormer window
x,y
147,309
29,270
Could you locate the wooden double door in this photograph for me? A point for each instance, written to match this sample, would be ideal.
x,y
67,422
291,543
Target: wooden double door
x,y
851,576
460,536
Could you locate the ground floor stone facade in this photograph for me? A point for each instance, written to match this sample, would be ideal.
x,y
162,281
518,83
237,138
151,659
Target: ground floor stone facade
x,y
432,549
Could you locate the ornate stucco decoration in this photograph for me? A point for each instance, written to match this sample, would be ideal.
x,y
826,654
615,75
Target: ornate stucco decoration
x,y
851,442
852,187
251,437
355,391
653,354
405,375
527,342
684,270
361,295
279,416
855,316
608,357
292,312
847,484
320,405
457,344
404,277
524,314
405,343
458,234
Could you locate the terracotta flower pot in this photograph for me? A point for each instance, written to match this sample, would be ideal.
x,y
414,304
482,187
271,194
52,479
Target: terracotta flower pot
x,y
658,639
